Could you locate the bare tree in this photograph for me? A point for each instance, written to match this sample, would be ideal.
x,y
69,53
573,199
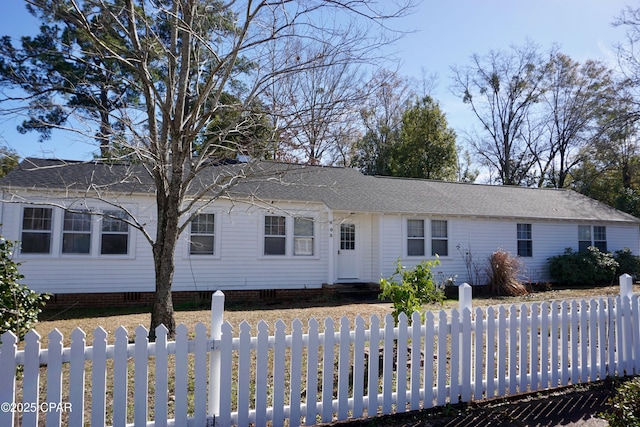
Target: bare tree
x,y
502,89
183,57
577,99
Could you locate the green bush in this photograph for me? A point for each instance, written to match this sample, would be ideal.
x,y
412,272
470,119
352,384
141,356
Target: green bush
x,y
19,305
625,405
416,288
590,267
627,263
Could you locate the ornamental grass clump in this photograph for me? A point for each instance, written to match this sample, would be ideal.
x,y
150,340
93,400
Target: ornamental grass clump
x,y
503,272
416,288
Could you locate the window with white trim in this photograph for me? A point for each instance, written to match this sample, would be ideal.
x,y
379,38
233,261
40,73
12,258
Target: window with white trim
x,y
275,235
415,237
439,238
114,239
592,236
202,234
525,240
76,233
303,239
36,230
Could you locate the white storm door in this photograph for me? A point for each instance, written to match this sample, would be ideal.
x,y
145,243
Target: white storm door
x,y
347,254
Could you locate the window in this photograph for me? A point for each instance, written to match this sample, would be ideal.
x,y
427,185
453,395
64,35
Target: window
x,y
202,235
525,243
275,235
439,238
592,236
115,233
347,237
415,237
600,238
76,233
36,230
303,236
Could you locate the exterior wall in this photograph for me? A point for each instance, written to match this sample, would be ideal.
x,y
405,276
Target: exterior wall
x,y
479,238
237,265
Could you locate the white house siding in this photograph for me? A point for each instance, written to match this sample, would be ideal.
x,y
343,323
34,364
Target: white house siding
x,y
240,263
59,273
481,237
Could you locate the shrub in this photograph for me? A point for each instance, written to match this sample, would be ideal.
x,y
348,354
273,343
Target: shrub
x,y
627,263
19,305
590,267
503,273
625,405
416,288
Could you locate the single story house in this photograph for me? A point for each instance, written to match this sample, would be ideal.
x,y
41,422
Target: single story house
x,y
284,228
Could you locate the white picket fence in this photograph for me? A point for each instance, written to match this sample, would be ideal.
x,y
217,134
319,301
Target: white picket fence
x,y
312,374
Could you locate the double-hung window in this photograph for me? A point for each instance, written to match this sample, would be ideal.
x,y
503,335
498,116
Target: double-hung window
x,y
76,233
415,237
202,234
439,238
303,236
592,236
114,233
36,230
275,235
525,241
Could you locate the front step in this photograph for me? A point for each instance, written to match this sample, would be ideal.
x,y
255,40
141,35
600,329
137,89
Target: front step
x,y
358,291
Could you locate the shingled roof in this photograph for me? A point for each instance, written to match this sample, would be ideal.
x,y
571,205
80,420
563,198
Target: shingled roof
x,y
342,189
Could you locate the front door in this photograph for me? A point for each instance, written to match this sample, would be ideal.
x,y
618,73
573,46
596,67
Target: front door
x,y
347,254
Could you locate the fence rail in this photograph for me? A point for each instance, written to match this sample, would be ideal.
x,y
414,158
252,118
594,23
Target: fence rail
x,y
309,373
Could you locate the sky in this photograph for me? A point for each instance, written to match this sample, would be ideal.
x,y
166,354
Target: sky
x,y
443,33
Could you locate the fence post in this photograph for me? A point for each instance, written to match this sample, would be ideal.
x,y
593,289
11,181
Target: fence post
x,y
464,297
626,286
217,317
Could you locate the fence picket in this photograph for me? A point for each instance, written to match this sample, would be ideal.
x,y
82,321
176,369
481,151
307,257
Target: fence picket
x,y
54,376
200,381
401,363
312,372
534,350
464,355
416,360
327,371
8,352
262,364
120,383
429,356
441,393
223,417
296,372
545,336
76,377
31,381
99,377
344,363
358,368
279,350
490,356
373,371
387,364
182,374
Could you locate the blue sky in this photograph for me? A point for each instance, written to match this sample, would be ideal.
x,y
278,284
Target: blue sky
x,y
447,33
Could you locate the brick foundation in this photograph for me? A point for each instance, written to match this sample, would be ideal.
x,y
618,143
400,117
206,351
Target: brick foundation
x,y
145,299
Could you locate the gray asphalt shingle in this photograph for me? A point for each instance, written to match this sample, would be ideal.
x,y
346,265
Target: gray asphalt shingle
x,y
341,189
